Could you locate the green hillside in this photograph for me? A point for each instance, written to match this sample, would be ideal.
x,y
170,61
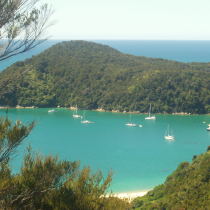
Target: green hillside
x,y
187,188
92,75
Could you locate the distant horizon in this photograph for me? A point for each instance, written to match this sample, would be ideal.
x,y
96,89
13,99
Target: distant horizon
x,y
107,39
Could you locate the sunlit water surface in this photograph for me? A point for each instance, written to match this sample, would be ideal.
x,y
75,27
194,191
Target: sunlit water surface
x,y
139,157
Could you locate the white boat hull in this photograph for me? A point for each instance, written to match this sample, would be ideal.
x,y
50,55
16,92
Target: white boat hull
x,y
76,116
131,124
86,122
150,118
169,138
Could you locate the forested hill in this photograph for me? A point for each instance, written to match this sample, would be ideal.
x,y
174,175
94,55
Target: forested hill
x,y
92,75
186,188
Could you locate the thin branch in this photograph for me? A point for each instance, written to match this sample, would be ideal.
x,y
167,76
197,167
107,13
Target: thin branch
x,y
22,26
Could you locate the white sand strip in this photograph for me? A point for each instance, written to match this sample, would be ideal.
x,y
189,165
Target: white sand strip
x,y
130,195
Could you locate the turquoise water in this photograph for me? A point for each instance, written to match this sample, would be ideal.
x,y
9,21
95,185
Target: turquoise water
x,y
139,157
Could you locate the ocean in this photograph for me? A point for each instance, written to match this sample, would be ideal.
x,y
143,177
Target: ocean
x,y
183,51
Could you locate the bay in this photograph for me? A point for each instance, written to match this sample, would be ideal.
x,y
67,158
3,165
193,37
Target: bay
x,y
139,157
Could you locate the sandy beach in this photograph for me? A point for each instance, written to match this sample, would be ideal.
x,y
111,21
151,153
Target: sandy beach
x,y
130,195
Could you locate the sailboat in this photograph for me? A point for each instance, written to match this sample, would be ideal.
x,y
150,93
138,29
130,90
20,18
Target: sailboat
x,y
130,124
51,110
84,121
75,115
150,117
168,135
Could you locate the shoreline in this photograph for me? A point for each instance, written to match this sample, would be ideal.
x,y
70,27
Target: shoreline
x,y
129,195
102,110
137,112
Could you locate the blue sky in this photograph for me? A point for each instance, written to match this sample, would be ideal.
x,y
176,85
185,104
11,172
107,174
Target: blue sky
x,y
131,19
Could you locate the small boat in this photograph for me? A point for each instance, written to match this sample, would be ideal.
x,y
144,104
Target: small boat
x,y
130,124
51,110
75,115
84,121
208,129
150,117
168,135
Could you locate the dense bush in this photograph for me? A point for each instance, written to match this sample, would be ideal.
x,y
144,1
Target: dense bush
x,y
187,188
46,183
91,75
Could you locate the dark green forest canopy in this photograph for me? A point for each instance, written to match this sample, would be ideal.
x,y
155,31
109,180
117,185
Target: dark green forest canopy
x,y
92,76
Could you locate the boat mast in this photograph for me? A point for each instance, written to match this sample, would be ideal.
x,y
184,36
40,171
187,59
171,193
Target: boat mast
x,y
149,110
76,109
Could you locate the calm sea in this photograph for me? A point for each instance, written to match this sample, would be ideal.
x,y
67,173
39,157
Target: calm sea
x,y
184,51
140,157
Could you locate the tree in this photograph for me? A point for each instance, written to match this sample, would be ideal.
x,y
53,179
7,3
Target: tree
x,y
43,182
186,188
11,136
48,183
22,26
